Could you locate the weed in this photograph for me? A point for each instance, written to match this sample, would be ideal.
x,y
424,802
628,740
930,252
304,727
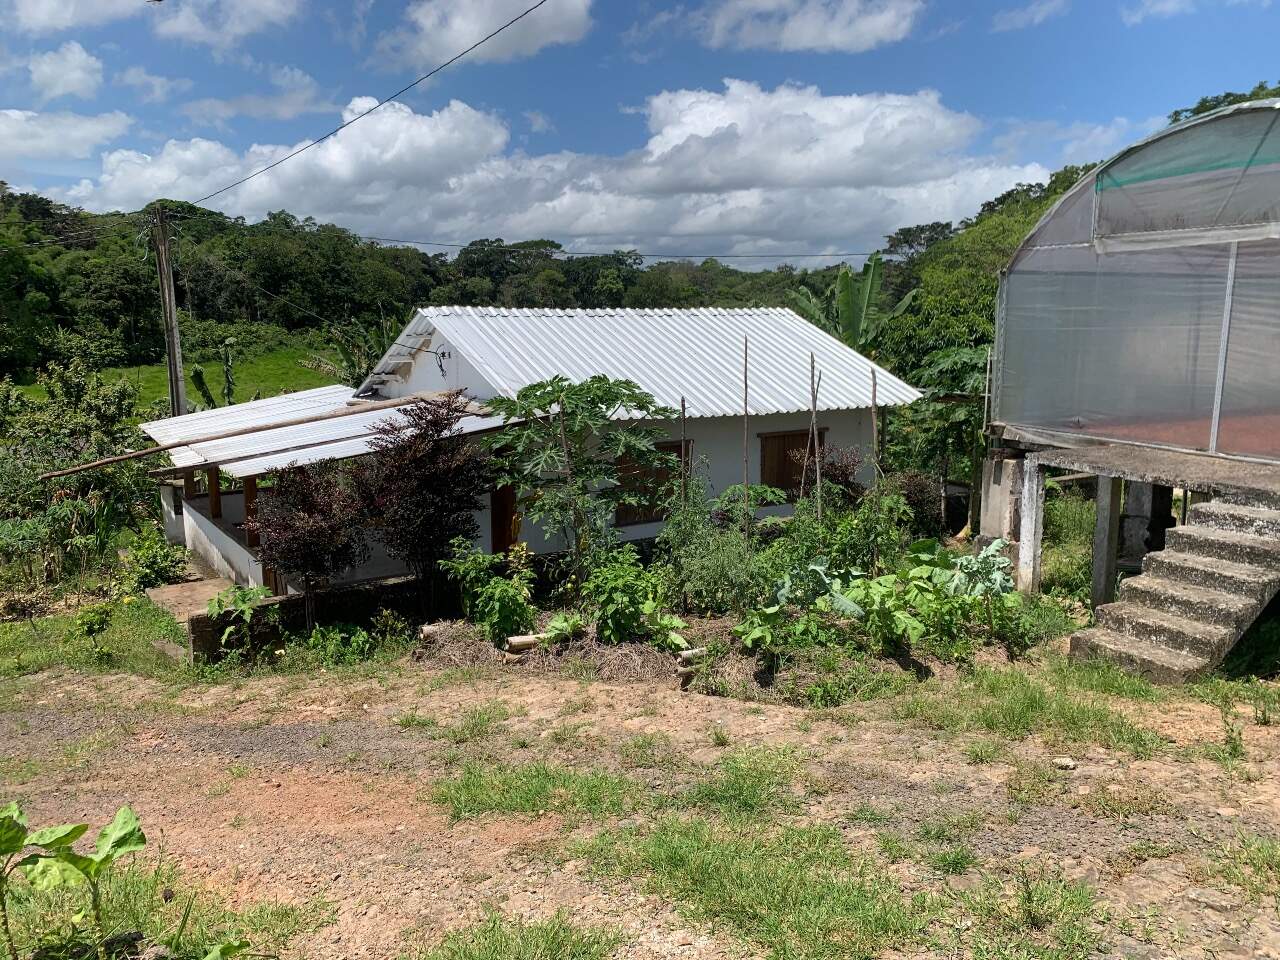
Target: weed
x,y
411,719
1123,801
1101,676
574,705
649,750
1034,782
892,846
1252,863
568,734
796,892
866,813
499,938
953,860
949,827
719,735
983,751
535,788
1035,914
748,782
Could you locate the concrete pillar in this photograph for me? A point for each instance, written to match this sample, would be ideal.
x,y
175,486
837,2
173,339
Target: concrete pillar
x,y
1106,538
1031,529
1147,513
215,493
1002,495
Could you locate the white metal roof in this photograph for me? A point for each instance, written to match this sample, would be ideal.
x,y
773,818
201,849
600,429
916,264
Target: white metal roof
x,y
695,354
254,413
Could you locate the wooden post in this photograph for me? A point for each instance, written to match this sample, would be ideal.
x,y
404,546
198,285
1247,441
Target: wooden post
x,y
250,508
169,312
189,491
1106,538
814,437
215,492
1032,527
746,442
684,453
875,431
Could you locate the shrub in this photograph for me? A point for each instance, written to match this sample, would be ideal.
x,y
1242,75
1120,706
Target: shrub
x,y
501,606
627,602
923,496
152,561
341,643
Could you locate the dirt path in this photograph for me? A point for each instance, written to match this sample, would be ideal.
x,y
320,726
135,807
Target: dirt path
x,y
295,789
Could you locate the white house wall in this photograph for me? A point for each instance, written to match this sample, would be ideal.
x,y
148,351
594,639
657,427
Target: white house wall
x,y
717,456
459,374
215,547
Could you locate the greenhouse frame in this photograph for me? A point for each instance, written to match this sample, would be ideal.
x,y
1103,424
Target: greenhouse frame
x,y
1145,306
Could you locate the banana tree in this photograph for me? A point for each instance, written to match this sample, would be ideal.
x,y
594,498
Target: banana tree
x,y
851,309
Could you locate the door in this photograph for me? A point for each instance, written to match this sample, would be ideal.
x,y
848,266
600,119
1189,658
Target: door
x,y
506,520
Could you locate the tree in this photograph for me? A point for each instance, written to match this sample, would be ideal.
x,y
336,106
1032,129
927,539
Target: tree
x,y
309,527
359,346
424,483
1261,91
851,309
565,450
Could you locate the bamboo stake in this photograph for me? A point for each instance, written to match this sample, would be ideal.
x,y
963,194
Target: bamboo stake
x,y
875,430
746,475
684,451
812,443
348,411
817,443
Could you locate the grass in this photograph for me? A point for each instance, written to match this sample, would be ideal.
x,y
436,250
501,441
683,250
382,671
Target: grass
x,y
534,788
1251,863
650,750
1123,801
500,938
128,643
478,723
797,893
1101,676
1034,782
1015,705
749,782
279,371
1033,915
983,751
953,860
134,899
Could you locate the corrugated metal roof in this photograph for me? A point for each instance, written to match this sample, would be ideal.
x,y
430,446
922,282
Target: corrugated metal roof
x,y
671,353
343,449
254,413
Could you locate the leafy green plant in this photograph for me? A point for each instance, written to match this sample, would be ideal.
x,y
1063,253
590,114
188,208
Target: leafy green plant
x,y
627,602
152,561
500,605
240,604
341,643
564,628
15,842
94,620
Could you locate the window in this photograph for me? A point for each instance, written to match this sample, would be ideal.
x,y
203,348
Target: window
x,y
782,459
652,482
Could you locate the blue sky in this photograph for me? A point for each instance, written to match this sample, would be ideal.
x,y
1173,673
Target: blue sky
x,y
704,126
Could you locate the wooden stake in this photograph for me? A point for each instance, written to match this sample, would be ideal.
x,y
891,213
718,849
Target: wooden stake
x,y
250,508
875,429
815,384
215,492
684,450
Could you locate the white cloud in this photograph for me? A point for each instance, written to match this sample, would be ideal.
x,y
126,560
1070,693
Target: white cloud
x,y
1031,15
223,23
436,30
69,71
539,122
741,169
1079,142
296,93
151,87
1133,14
847,26
50,16
27,134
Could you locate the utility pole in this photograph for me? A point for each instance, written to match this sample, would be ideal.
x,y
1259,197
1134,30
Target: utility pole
x,y
169,312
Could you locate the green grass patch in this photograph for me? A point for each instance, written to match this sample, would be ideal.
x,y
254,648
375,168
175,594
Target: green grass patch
x,y
796,893
983,750
267,374
1251,863
1123,801
477,723
1101,676
129,643
1033,915
650,750
1015,705
748,782
953,860
500,938
1034,782
534,788
134,899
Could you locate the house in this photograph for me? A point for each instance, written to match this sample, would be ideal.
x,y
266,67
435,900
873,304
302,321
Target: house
x,y
1137,342
685,358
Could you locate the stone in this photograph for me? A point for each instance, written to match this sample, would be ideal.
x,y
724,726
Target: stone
x,y
1064,763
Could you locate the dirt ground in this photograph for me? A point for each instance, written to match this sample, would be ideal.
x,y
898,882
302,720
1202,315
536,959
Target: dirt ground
x,y
302,787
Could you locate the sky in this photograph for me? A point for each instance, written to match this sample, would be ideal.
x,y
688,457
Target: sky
x,y
703,127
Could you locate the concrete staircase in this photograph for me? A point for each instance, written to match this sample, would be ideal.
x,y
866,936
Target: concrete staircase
x,y
1195,598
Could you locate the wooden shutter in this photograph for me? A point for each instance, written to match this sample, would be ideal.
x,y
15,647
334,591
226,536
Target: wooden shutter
x,y
633,478
782,457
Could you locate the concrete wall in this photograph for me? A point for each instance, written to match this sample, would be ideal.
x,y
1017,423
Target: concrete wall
x,y
217,544
171,514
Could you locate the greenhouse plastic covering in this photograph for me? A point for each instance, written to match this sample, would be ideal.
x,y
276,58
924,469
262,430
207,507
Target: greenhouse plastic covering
x,y
1145,306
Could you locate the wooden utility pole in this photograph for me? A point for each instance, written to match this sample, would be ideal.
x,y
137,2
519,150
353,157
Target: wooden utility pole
x,y
169,312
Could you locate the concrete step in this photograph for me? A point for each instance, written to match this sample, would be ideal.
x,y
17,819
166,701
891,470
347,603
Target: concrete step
x,y
1234,516
1265,501
1224,544
1156,663
1243,578
1182,599
1209,640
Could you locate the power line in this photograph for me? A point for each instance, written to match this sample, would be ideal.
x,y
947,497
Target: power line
x,y
380,103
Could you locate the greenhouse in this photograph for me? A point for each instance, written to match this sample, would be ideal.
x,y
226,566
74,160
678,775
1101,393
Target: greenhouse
x,y
1145,306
